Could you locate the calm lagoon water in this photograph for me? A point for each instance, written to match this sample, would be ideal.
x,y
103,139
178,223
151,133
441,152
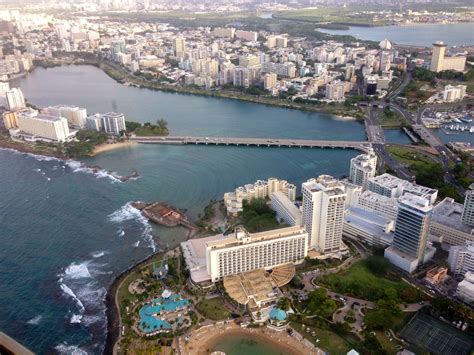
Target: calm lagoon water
x,y
66,231
457,34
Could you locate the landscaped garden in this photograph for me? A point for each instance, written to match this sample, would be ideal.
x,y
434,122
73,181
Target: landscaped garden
x,y
213,308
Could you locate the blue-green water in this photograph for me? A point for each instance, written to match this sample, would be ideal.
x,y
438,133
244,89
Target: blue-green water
x,y
66,231
245,345
456,34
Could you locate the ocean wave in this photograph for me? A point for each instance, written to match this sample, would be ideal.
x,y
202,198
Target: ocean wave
x,y
65,288
79,167
70,349
77,271
35,321
38,157
76,318
98,254
127,213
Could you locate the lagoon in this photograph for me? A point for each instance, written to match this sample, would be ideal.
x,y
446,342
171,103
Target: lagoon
x,y
456,34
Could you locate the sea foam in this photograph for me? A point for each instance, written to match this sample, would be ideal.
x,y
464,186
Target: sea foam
x,y
35,321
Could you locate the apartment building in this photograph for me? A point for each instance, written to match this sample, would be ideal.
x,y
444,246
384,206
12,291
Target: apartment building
x,y
363,167
75,116
461,258
323,213
113,123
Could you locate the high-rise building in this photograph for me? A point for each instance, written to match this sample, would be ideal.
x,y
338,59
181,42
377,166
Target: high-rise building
x,y
323,213
76,116
440,62
437,58
10,120
363,167
335,90
113,123
411,233
250,251
179,46
461,258
15,99
269,81
43,127
468,210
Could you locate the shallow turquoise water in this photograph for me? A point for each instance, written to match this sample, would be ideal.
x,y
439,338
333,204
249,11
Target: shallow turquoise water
x,y
244,345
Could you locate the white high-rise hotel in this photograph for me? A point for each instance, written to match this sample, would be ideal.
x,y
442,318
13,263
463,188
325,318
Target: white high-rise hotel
x,y
363,167
245,251
323,213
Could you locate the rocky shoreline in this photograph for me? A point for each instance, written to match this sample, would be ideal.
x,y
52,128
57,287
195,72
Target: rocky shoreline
x,y
34,151
112,308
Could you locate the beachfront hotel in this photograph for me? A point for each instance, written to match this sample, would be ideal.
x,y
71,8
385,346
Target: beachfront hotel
x,y
33,126
213,258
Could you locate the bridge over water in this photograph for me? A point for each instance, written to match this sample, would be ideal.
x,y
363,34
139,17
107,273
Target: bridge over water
x,y
255,142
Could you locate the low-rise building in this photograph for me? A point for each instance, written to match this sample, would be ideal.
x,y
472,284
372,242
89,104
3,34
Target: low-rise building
x,y
392,186
447,226
260,189
437,275
465,289
454,93
461,258
368,227
285,209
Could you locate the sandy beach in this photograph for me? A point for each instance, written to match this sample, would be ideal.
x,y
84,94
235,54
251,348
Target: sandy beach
x,y
108,147
203,340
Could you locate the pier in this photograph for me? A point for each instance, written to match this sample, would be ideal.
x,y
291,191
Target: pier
x,y
254,142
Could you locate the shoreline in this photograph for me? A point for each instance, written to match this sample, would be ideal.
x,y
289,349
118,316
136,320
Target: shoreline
x,y
204,340
125,78
102,148
112,311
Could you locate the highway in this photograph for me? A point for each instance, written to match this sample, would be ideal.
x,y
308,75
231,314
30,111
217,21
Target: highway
x,y
254,142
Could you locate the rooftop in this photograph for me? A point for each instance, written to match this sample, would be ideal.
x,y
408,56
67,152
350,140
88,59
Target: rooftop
x,y
236,239
448,213
370,222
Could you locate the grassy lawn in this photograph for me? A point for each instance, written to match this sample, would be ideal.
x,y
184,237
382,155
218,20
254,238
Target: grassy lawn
x,y
329,341
411,158
213,309
392,120
360,282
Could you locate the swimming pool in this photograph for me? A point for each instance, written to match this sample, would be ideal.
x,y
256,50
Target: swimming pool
x,y
149,313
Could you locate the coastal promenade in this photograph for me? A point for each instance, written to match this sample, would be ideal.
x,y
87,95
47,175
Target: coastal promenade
x,y
254,142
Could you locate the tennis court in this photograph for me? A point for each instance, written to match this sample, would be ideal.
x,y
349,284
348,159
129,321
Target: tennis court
x,y
430,334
